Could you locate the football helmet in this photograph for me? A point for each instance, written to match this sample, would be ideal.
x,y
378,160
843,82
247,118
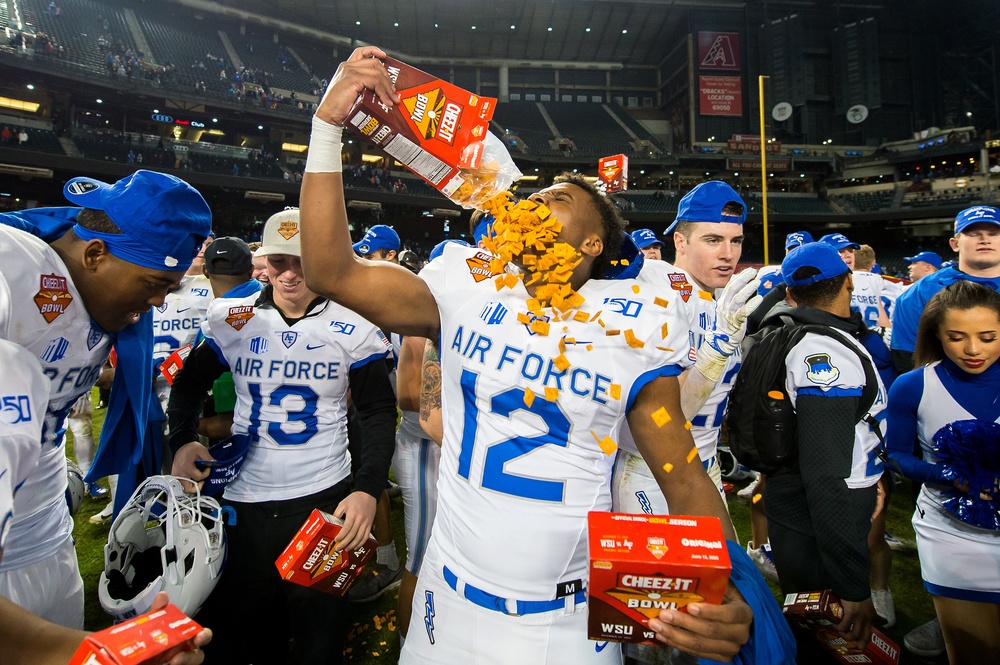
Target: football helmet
x,y
75,487
163,540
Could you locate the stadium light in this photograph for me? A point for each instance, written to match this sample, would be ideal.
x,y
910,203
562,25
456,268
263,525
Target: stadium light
x,y
156,110
260,126
18,104
100,101
215,120
513,27
357,23
473,27
396,24
587,30
550,28
31,87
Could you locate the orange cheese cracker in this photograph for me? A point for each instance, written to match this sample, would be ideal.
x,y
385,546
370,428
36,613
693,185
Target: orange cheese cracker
x,y
692,455
661,417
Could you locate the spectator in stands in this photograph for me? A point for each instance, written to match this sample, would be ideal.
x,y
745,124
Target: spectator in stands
x,y
923,264
22,137
6,136
649,243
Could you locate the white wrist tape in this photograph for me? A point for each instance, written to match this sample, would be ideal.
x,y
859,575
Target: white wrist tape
x,y
324,148
711,363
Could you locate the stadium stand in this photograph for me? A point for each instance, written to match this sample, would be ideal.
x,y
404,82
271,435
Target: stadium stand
x,y
78,29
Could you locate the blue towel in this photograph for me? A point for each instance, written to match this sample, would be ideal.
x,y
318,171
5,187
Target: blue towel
x,y
771,640
132,436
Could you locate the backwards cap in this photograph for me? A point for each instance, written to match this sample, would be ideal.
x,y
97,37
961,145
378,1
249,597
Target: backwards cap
x,y
819,255
163,220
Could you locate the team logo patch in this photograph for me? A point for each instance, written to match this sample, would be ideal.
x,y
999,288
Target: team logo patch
x,y
258,345
288,338
343,328
239,316
493,313
289,229
657,547
364,249
381,336
679,282
15,409
161,308
53,297
324,563
479,266
56,350
81,187
821,370
94,338
644,502
429,615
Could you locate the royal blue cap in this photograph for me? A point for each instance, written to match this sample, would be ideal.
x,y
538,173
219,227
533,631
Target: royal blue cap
x,y
484,227
164,218
705,203
839,241
378,237
644,238
228,455
819,255
949,264
793,240
975,215
439,248
927,257
876,269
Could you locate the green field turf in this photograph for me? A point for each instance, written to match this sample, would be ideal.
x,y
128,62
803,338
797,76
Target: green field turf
x,y
374,637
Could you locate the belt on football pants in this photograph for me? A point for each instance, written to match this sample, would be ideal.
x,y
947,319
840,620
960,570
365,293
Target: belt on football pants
x,y
503,605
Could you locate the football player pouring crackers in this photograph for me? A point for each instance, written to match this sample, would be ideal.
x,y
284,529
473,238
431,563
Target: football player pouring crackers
x,y
538,378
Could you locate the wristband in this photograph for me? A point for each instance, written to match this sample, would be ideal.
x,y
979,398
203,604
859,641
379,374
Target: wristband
x,y
324,148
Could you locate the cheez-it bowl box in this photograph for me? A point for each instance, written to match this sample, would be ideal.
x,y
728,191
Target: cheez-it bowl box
x,y
813,605
311,559
154,637
643,564
434,129
814,617
613,172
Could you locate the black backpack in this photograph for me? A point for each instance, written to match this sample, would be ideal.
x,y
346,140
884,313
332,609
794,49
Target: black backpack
x,y
760,419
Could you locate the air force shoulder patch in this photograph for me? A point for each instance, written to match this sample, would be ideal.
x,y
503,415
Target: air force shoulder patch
x,y
821,370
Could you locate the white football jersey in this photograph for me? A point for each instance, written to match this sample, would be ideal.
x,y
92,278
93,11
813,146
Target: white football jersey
x,y
291,392
818,365
41,310
177,321
24,395
521,462
892,290
867,296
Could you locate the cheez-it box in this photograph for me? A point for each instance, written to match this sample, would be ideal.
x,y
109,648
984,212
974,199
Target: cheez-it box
x,y
613,172
643,564
814,617
311,560
154,637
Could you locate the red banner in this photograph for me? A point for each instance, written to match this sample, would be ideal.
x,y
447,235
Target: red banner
x,y
720,95
719,50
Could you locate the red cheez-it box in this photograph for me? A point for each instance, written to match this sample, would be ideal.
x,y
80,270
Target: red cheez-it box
x,y
435,128
642,564
154,637
310,559
613,172
814,617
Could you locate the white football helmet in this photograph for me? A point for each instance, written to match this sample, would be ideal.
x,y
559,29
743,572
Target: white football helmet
x,y
163,540
75,487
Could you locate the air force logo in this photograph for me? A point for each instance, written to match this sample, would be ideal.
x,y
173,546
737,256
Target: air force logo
x,y
821,371
288,338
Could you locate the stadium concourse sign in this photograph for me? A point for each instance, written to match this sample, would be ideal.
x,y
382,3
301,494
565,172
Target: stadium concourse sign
x,y
780,164
750,143
719,50
720,95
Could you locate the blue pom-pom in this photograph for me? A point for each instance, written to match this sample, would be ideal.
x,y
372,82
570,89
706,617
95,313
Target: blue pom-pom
x,y
969,451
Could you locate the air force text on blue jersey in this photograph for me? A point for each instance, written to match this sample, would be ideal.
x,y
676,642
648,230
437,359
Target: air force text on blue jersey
x,y
580,381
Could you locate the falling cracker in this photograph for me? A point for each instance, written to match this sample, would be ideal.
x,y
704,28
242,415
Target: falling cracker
x,y
664,331
511,280
693,454
661,417
540,327
632,340
624,262
590,347
664,348
757,497
635,288
596,438
595,316
582,317
608,446
562,345
687,425
614,263
615,391
561,363
529,397
660,302
668,467
523,318
705,295
611,332
551,394
499,281
601,323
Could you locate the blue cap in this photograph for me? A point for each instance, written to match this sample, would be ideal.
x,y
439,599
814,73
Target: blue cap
x,y
839,241
705,202
483,228
819,255
163,220
949,264
228,455
793,240
975,215
927,257
644,238
439,248
876,269
378,237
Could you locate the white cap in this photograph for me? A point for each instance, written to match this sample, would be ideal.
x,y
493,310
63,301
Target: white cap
x,y
281,234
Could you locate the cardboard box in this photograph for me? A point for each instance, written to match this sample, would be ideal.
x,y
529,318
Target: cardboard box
x,y
435,130
613,172
814,616
642,564
154,637
174,363
310,560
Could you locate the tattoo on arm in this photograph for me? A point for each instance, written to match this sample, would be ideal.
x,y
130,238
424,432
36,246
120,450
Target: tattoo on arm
x,y
430,390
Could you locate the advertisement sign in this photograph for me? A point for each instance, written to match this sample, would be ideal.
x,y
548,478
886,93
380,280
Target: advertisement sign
x,y
719,50
720,95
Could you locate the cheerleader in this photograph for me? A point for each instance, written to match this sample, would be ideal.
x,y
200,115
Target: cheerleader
x,y
951,405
